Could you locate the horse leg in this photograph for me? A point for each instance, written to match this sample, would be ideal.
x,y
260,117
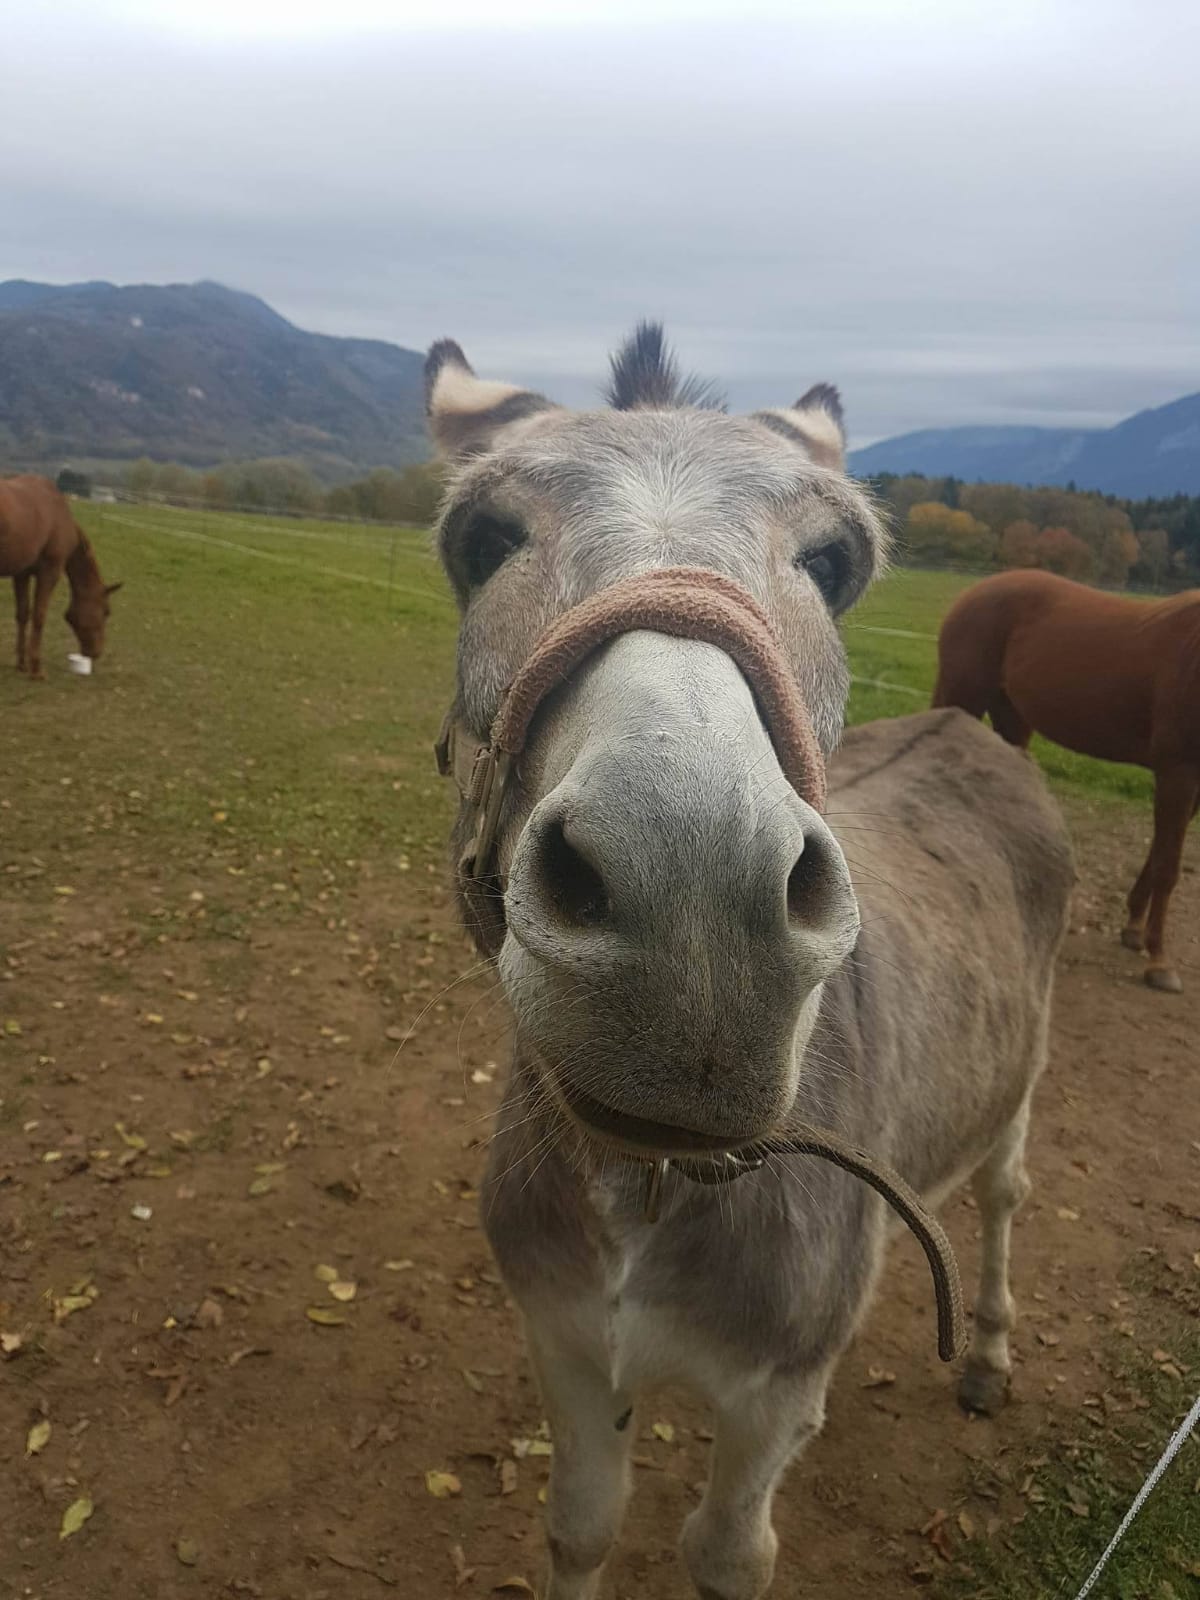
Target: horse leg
x,y
1008,721
1133,934
592,1429
1000,1185
954,689
728,1541
48,574
1175,795
21,595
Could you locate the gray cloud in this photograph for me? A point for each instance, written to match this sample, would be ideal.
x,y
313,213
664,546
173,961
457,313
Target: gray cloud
x,y
956,218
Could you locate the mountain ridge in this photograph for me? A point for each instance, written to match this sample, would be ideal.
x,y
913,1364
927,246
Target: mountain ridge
x,y
1153,454
196,373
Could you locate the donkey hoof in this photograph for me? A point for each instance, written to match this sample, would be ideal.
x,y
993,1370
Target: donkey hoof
x,y
983,1390
1165,979
1133,938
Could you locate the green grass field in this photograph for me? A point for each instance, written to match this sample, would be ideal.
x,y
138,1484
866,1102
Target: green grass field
x,y
273,690
333,642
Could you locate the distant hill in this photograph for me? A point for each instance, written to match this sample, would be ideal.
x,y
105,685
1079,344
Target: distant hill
x,y
1154,453
194,373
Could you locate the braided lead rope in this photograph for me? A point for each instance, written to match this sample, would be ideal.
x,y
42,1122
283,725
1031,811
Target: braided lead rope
x,y
904,1201
1174,1445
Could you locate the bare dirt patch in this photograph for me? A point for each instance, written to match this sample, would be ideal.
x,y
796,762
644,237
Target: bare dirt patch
x,y
206,1113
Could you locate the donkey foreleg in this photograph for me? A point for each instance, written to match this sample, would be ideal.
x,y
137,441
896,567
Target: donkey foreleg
x,y
728,1541
1000,1185
592,1428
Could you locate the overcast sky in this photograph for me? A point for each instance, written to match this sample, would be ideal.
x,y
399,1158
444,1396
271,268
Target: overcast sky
x,y
958,212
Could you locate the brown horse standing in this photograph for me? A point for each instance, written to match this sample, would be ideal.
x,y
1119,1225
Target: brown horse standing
x,y
39,538
1101,674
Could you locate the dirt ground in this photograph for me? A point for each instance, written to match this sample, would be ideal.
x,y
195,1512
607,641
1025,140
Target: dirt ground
x,y
205,1102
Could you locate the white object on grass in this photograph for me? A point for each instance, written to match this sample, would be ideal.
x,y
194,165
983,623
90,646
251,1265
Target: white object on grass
x,y
80,664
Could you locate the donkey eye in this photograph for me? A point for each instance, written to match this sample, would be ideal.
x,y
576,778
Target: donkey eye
x,y
829,569
487,542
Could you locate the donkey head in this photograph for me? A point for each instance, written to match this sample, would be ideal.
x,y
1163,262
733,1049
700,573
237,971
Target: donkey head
x,y
671,905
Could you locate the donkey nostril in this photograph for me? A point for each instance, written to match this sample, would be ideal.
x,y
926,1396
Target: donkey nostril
x,y
807,883
572,884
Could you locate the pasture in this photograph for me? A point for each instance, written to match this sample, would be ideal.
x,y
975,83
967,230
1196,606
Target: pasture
x,y
246,1069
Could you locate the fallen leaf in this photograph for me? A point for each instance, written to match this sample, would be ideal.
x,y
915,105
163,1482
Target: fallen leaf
x,y
462,1572
325,1317
398,1266
472,1380
325,1274
353,1562
442,1485
261,1186
878,1378
141,1213
1066,1214
1079,1508
208,1314
514,1586
509,1476
531,1447
187,1551
661,1430
249,1350
11,1344
74,1517
1046,1338
77,1301
966,1524
39,1438
343,1290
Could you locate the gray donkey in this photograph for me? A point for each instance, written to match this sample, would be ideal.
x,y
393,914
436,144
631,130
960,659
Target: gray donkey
x,y
696,958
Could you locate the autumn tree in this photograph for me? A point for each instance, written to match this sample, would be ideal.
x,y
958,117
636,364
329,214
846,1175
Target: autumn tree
x,y
1019,544
935,533
1117,555
1059,550
1154,558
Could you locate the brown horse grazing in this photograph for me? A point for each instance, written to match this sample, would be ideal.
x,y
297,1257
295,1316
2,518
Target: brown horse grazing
x,y
39,538
1107,676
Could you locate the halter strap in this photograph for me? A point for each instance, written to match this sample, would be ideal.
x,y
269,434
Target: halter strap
x,y
684,603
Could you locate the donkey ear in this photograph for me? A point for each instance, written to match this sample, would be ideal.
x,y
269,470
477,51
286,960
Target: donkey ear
x,y
816,422
111,588
467,414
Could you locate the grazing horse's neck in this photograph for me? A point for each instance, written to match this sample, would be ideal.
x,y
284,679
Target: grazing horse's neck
x,y
83,570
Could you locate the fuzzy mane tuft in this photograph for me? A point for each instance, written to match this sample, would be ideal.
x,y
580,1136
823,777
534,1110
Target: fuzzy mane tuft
x,y
644,372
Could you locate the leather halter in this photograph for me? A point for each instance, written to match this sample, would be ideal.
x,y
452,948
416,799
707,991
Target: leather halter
x,y
688,603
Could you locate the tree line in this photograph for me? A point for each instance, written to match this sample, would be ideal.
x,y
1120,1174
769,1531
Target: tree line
x,y
939,522
383,495
1095,538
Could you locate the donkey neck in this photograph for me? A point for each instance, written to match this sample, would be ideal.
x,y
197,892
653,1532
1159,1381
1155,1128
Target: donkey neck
x,y
83,571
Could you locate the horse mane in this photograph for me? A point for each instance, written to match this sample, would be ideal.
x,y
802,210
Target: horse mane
x,y
644,372
83,570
